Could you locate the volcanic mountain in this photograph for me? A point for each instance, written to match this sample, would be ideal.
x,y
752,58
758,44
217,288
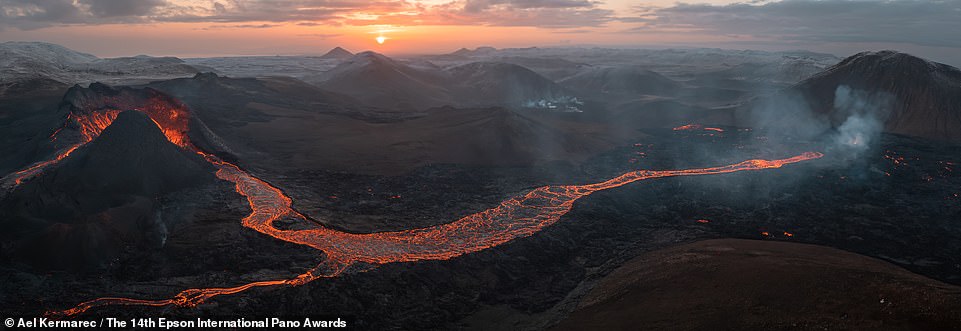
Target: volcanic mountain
x,y
620,81
15,57
337,53
89,110
56,129
76,213
391,85
926,96
553,68
383,82
790,70
483,50
226,99
463,51
461,55
503,84
131,156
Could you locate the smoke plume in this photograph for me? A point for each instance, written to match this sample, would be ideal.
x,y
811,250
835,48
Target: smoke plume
x,y
852,127
864,114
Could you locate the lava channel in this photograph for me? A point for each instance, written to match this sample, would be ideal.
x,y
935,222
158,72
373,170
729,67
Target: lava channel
x,y
517,217
694,127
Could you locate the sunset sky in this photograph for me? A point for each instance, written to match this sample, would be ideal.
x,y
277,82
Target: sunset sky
x,y
190,28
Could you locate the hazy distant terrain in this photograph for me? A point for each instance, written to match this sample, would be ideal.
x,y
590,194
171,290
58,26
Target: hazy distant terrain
x,y
23,61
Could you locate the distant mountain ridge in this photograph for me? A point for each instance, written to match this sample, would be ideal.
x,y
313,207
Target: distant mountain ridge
x,y
337,53
621,80
36,61
492,84
387,83
380,81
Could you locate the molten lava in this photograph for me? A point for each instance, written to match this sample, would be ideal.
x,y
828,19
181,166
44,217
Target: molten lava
x,y
22,175
688,127
513,218
517,217
171,116
92,124
693,127
194,297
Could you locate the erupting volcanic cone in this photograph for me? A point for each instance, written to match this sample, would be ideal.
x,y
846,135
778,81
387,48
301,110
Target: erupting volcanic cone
x,y
88,111
133,155
92,109
74,213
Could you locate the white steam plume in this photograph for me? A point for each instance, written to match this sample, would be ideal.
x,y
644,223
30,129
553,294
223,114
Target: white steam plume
x,y
864,114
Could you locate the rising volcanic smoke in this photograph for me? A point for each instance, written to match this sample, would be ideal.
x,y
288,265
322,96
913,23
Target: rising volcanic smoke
x,y
862,128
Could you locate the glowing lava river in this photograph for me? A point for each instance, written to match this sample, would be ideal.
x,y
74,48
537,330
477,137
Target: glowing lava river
x,y
516,217
513,218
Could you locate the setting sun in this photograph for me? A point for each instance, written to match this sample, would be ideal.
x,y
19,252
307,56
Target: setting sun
x,y
381,39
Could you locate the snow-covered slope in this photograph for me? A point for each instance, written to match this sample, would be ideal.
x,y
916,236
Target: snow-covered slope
x,y
35,61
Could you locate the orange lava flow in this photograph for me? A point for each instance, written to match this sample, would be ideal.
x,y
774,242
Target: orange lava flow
x,y
90,127
22,175
688,127
691,127
172,118
93,123
194,297
516,217
513,218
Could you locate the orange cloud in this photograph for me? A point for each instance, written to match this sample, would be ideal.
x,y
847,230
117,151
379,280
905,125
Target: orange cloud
x,y
25,14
